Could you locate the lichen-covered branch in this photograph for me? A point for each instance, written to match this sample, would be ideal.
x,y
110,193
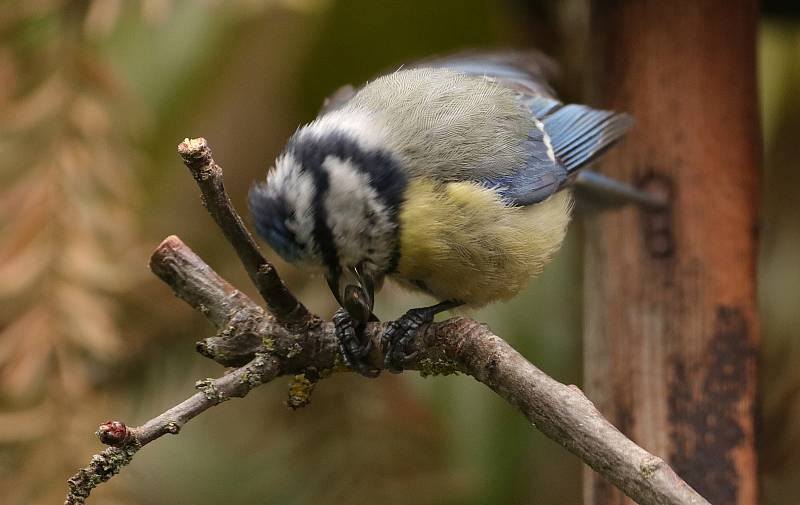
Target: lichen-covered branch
x,y
265,345
102,467
125,441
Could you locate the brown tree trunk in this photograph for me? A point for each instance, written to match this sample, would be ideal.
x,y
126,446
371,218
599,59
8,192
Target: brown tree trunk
x,y
671,322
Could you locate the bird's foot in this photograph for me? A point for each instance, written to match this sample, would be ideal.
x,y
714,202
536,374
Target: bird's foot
x,y
353,345
403,330
399,333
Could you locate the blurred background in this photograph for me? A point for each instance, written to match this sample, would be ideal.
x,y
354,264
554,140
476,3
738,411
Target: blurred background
x,y
94,97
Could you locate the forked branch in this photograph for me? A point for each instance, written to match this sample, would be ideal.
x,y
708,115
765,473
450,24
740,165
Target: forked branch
x,y
287,340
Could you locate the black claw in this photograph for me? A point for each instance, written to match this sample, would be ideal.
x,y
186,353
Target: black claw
x,y
400,333
403,330
353,350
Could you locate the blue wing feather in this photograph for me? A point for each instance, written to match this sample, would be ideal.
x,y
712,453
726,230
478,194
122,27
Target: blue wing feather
x,y
539,178
542,106
578,135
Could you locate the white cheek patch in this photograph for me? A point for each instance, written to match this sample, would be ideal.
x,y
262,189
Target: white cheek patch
x,y
297,188
358,220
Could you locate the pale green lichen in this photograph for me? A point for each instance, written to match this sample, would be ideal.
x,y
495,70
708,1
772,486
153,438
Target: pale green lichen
x,y
300,389
339,364
253,376
650,467
294,350
268,343
429,367
102,467
207,387
259,361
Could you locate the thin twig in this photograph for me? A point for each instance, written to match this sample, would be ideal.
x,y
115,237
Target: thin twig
x,y
125,442
199,160
270,347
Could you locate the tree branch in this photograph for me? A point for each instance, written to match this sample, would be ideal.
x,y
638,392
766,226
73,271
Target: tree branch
x,y
266,346
125,442
198,159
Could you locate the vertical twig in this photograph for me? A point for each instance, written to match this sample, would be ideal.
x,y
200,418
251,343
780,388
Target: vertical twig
x,y
281,303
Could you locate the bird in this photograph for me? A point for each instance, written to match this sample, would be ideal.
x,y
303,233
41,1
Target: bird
x,y
450,176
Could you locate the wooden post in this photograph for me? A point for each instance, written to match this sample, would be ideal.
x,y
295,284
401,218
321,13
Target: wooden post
x,y
671,322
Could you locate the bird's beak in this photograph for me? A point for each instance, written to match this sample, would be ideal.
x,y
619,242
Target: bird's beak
x,y
354,289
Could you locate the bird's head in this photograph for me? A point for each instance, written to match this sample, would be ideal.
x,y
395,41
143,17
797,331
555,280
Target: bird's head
x,y
331,202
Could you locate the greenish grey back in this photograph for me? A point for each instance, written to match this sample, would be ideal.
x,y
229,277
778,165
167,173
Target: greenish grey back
x,y
447,125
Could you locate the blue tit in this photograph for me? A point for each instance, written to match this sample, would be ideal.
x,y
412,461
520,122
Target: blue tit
x,y
448,176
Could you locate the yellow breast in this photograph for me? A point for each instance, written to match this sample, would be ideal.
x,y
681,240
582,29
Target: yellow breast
x,y
461,242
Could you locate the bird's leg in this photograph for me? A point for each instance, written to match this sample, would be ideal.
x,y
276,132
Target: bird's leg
x,y
606,192
401,331
353,345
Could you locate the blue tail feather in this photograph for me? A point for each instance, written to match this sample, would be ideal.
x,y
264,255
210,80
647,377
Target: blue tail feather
x,y
580,134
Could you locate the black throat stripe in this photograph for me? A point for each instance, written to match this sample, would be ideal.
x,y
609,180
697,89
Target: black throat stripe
x,y
383,172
